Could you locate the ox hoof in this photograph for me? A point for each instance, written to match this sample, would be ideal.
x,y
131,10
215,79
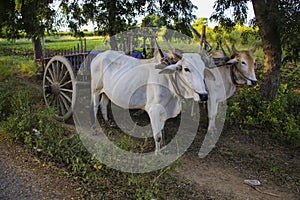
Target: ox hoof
x,y
202,154
164,151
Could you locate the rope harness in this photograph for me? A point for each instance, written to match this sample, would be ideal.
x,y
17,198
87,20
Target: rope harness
x,y
233,69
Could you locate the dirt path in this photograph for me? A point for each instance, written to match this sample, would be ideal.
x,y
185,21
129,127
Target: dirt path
x,y
22,176
238,157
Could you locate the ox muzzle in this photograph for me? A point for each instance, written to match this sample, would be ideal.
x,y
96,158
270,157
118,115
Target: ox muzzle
x,y
251,82
203,96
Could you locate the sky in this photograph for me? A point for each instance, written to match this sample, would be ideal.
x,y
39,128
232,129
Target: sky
x,y
205,9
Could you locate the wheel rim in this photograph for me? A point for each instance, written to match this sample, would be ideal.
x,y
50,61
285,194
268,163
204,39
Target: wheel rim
x,y
59,87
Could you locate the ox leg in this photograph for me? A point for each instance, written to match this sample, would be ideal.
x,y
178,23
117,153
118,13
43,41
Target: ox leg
x,y
157,118
212,113
214,130
94,110
103,105
95,105
210,137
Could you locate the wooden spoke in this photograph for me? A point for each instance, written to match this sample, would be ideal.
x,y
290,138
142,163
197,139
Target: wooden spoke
x,y
51,74
48,95
58,66
51,99
61,73
61,105
64,77
66,90
66,97
53,71
65,103
66,83
49,79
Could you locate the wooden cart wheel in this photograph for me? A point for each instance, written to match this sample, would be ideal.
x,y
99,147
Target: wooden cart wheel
x,y
59,87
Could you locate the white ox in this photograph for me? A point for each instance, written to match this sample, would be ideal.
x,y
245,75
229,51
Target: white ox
x,y
239,70
136,84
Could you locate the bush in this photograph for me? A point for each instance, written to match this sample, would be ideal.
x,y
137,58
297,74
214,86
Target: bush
x,y
280,116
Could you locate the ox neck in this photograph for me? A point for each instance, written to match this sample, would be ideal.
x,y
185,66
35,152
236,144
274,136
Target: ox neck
x,y
228,80
176,87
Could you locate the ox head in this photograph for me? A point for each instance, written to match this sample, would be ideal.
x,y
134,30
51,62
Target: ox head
x,y
244,66
189,74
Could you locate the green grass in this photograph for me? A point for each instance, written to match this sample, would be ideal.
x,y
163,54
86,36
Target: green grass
x,y
54,42
10,65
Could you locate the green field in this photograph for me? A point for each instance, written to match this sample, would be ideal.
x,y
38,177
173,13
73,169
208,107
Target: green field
x,y
54,42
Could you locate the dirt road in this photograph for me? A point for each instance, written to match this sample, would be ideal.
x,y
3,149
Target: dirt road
x,y
22,176
238,157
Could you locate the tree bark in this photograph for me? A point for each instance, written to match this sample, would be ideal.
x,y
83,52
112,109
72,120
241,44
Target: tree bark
x,y
266,12
112,24
37,47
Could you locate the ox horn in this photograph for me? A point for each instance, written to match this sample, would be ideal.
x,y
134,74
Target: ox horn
x,y
176,54
253,49
234,50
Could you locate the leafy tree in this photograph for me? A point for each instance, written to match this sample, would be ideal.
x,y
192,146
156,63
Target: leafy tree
x,y
8,19
154,20
114,16
278,22
33,17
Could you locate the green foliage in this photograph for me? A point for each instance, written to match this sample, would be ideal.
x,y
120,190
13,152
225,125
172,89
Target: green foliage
x,y
282,13
244,37
32,16
153,20
112,17
281,116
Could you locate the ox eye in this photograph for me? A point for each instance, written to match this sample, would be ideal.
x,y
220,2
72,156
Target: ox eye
x,y
243,62
187,69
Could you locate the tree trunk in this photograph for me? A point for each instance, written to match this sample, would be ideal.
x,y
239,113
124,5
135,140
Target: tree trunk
x,y
37,47
266,12
112,24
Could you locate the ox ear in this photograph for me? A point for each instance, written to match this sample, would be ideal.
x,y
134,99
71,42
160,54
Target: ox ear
x,y
170,69
232,61
209,75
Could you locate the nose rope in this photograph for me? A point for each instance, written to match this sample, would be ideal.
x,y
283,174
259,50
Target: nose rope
x,y
175,85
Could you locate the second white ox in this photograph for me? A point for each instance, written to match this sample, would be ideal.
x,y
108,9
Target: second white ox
x,y
136,84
